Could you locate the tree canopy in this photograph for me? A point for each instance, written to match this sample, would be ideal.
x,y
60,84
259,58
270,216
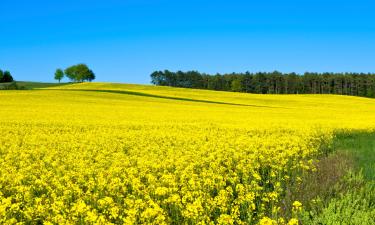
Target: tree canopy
x,y
5,77
59,74
76,73
358,84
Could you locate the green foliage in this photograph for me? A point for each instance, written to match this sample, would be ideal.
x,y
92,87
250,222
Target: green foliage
x,y
356,206
12,86
5,77
79,73
325,183
25,85
358,84
351,200
236,85
37,85
361,147
59,74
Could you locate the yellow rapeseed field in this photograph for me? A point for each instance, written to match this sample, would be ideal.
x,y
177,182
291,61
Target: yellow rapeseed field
x,y
100,153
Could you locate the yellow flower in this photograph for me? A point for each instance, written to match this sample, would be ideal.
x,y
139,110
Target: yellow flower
x,y
293,221
267,221
118,155
297,205
225,219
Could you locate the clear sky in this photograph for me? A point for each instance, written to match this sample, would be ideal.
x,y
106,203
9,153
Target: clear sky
x,y
124,41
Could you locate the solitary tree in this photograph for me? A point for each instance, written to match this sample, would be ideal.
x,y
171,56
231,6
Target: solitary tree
x,y
59,74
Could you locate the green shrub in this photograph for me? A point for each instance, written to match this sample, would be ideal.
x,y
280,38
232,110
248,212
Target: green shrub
x,y
12,86
356,206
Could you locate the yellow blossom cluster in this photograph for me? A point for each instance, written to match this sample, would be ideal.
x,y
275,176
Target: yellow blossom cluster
x,y
126,154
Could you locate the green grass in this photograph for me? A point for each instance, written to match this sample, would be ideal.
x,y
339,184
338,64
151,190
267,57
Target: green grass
x,y
4,84
361,146
355,206
37,85
353,197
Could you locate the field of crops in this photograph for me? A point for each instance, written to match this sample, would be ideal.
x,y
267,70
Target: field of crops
x,y
100,153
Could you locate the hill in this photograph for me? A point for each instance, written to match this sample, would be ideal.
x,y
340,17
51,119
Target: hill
x,y
123,153
334,109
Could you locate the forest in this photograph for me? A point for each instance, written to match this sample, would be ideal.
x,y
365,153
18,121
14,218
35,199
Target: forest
x,y
356,84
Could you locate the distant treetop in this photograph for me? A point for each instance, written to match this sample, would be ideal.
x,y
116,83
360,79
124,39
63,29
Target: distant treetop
x,y
59,74
5,77
76,73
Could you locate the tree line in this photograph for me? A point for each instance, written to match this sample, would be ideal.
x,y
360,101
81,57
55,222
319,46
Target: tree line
x,y
357,84
77,73
5,76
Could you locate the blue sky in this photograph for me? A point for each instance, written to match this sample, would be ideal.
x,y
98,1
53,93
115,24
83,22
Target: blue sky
x,y
124,41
